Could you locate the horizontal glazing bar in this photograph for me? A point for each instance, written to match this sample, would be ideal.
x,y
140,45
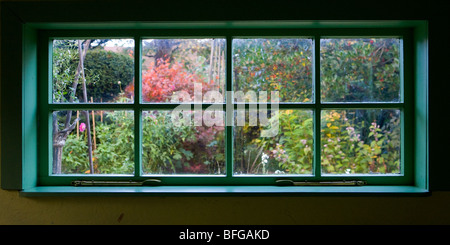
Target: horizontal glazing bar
x,y
94,106
360,105
324,106
128,106
91,106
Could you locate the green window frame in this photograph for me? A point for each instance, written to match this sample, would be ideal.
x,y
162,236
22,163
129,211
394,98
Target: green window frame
x,y
33,177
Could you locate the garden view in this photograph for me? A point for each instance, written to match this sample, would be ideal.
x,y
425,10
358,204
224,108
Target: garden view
x,y
352,141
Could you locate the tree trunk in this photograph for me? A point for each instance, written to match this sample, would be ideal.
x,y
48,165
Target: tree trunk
x,y
60,136
86,113
59,140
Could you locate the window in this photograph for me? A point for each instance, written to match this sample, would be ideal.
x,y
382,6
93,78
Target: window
x,y
227,107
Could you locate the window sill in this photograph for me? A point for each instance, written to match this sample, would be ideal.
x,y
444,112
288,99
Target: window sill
x,y
225,191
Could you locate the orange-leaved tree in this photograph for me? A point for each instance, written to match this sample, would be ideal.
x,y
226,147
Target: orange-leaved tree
x,y
160,82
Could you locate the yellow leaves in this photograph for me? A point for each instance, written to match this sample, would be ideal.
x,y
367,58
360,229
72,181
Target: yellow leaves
x,y
332,127
304,64
306,100
276,86
289,112
275,68
336,115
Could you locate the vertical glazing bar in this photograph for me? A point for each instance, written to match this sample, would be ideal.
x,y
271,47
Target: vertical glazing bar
x,y
317,112
137,107
406,115
402,71
229,108
46,98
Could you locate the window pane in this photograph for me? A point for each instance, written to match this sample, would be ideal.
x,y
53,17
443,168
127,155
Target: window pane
x,y
283,65
287,150
108,71
361,141
175,142
177,65
360,70
104,145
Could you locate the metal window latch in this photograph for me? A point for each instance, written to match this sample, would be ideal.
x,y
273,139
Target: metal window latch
x,y
114,183
322,183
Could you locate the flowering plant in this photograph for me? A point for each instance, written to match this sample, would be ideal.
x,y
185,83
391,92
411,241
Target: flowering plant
x,y
82,127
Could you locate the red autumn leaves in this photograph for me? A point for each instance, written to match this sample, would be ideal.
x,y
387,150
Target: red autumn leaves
x,y
160,82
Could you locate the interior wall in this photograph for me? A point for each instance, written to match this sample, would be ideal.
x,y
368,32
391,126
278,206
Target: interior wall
x,y
431,210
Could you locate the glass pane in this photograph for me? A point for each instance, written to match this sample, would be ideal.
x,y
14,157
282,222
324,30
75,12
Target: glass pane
x,y
178,142
283,65
360,70
286,150
107,66
83,145
361,141
174,66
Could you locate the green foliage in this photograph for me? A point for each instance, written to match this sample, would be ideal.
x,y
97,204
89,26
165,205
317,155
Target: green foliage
x,y
170,149
352,145
65,61
290,151
115,143
359,70
103,72
296,142
162,143
109,69
352,142
283,65
75,155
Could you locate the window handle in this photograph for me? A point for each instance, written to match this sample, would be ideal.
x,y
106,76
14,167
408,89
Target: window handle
x,y
322,183
114,183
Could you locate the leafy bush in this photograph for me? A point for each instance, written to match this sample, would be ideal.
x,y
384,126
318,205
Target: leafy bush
x,y
75,155
358,70
297,141
354,145
103,71
109,68
282,65
115,148
169,148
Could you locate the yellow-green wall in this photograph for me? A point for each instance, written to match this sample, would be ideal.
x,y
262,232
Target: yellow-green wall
x,y
428,210
225,210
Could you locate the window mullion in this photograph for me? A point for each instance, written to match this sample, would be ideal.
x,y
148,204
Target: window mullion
x,y
317,111
229,109
137,107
